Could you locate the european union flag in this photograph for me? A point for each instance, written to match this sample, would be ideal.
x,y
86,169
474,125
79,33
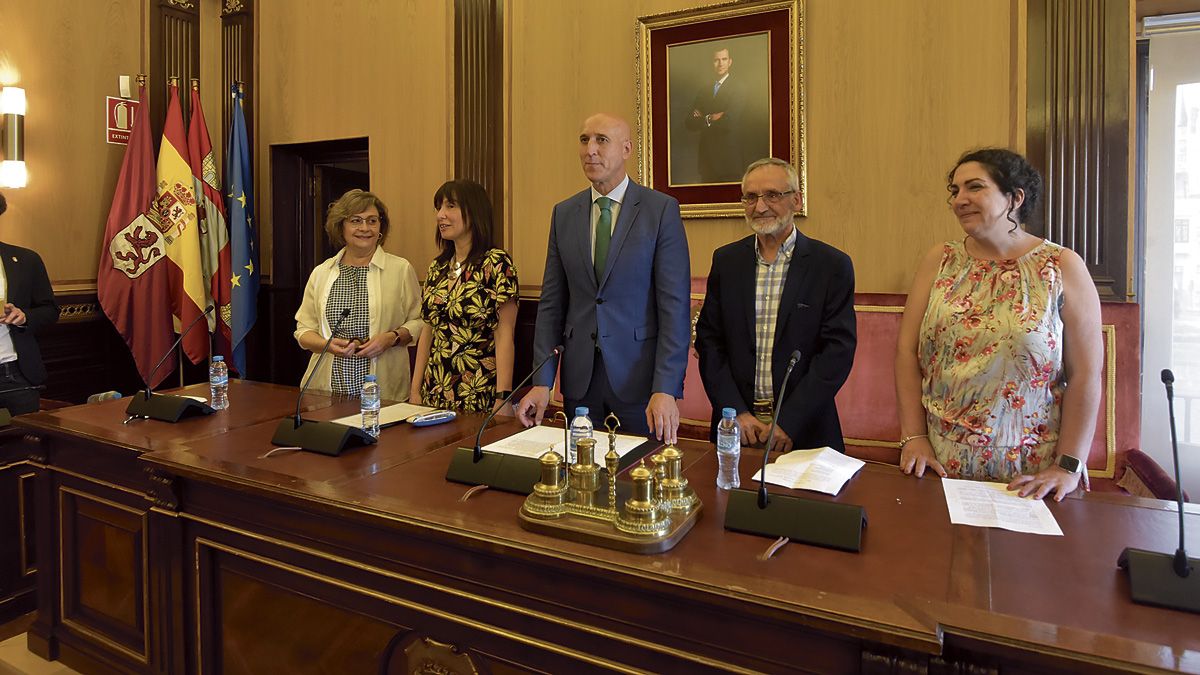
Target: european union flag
x,y
243,241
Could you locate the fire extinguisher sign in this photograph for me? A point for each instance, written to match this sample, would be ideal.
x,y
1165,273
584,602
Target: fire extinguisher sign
x,y
119,112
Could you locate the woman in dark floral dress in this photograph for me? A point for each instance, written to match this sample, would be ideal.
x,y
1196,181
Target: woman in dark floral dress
x,y
465,359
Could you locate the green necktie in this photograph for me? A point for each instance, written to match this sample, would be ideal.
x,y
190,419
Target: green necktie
x,y
603,235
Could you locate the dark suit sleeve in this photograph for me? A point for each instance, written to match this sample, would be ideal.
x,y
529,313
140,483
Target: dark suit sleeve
x,y
834,356
713,348
552,308
42,311
673,290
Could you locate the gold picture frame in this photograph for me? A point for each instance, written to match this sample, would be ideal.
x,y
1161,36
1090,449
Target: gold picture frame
x,y
687,146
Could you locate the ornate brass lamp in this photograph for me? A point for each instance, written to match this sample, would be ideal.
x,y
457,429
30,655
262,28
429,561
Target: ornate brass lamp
x,y
658,509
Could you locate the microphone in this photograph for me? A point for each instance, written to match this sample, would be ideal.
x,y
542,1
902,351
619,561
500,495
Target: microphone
x,y
326,438
1159,578
763,499
332,334
478,452
150,378
1180,562
166,407
831,524
510,473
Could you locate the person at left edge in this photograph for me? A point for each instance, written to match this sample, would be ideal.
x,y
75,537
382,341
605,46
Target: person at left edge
x,y
29,308
620,306
768,295
382,293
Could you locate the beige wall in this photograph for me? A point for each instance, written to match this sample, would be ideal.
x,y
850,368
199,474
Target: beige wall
x,y
376,68
896,91
67,56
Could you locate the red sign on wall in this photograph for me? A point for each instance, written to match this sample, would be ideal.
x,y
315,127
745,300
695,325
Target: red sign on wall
x,y
119,112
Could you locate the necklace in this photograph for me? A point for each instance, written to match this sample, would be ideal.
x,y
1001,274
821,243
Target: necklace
x,y
458,267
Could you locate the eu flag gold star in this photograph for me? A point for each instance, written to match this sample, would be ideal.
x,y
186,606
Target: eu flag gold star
x,y
250,268
236,280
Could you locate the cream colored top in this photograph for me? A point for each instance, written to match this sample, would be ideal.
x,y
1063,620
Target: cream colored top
x,y
393,299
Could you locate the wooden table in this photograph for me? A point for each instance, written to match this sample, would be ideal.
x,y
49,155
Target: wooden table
x,y
305,563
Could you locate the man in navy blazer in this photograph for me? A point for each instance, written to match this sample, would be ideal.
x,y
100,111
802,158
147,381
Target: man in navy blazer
x,y
770,294
29,307
616,294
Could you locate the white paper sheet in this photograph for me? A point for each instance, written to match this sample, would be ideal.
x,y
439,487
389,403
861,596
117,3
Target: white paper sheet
x,y
992,505
535,441
388,414
820,470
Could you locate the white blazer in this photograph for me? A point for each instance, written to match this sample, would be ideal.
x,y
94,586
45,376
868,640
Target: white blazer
x,y
393,299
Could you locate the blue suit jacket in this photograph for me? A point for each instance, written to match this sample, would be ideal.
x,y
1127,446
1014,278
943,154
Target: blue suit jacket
x,y
639,313
816,316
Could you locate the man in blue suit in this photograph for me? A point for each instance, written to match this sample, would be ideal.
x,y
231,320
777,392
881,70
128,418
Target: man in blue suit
x,y
616,294
770,294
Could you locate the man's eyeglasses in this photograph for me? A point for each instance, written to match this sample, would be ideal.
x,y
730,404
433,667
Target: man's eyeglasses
x,y
770,197
373,221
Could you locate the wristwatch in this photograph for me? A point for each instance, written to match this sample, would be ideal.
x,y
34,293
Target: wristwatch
x,y
1070,464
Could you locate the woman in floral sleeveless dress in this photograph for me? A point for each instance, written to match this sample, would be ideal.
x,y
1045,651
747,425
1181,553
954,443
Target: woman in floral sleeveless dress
x,y
999,359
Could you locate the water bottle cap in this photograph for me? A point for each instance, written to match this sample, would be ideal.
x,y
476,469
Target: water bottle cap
x,y
371,378
581,410
728,413
218,358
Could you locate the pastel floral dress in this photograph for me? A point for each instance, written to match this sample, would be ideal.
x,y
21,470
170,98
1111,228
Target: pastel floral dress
x,y
462,319
990,353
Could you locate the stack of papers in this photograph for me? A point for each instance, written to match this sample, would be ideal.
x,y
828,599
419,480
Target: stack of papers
x,y
535,441
388,414
992,505
821,470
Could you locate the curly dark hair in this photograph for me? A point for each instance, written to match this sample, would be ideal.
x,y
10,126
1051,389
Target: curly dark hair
x,y
3,204
1011,172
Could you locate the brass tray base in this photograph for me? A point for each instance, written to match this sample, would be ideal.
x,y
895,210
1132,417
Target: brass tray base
x,y
601,533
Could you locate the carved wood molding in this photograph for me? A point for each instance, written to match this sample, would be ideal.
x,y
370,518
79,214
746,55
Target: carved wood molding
x,y
1079,131
478,117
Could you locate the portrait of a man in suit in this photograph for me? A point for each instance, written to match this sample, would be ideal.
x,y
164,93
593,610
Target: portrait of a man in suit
x,y
720,118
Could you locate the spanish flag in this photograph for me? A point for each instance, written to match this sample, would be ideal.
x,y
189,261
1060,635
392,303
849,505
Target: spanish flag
x,y
175,217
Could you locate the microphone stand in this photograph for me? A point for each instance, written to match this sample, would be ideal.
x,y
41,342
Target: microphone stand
x,y
473,466
326,438
1162,579
149,404
821,523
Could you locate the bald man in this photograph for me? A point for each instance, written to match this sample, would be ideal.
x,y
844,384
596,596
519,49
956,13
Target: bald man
x,y
615,294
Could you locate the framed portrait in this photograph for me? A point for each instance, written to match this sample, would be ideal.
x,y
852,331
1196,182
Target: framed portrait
x,y
718,88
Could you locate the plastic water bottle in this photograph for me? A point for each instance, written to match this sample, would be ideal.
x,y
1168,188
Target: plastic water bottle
x,y
581,427
218,383
369,401
729,450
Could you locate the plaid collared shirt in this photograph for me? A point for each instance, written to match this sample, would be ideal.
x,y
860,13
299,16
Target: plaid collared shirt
x,y
768,286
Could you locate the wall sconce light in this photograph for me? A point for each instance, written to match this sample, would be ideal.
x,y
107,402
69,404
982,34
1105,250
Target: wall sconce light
x,y
12,109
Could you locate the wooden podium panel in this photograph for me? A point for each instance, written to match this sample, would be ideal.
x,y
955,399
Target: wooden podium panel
x,y
298,561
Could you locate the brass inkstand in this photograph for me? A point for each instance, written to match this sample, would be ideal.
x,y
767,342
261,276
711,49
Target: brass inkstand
x,y
659,506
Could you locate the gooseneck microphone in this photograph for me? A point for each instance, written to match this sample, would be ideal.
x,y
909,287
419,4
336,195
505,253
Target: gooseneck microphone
x,y
150,378
1162,579
1180,563
763,498
326,438
316,366
478,451
822,522
166,407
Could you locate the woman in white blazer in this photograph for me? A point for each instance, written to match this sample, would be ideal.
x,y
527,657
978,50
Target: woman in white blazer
x,y
383,297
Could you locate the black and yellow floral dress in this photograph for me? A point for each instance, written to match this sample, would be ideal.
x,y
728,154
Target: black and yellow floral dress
x,y
462,320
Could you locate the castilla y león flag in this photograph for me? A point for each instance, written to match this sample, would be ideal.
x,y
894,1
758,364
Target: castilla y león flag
x,y
214,233
175,216
132,282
